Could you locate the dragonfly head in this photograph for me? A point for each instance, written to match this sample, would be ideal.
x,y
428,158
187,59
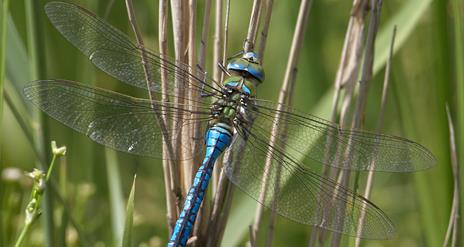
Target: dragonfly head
x,y
250,63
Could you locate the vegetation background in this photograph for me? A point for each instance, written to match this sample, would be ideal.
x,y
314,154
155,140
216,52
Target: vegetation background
x,y
427,74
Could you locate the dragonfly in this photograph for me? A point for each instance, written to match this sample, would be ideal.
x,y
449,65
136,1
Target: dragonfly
x,y
233,118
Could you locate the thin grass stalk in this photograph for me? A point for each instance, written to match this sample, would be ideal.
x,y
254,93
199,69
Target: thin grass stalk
x,y
453,224
118,214
62,183
278,130
220,212
265,31
179,50
40,182
217,73
22,117
192,93
225,39
227,205
252,27
168,151
223,61
35,42
11,95
169,177
345,79
366,77
138,36
204,36
458,23
3,25
222,192
205,207
380,122
129,221
223,195
188,169
194,129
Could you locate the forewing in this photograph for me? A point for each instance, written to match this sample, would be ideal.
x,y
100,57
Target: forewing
x,y
113,52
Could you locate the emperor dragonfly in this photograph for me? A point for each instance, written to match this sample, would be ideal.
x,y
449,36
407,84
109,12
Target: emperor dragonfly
x,y
233,117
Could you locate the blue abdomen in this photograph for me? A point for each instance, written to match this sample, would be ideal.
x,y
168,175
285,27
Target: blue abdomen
x,y
217,139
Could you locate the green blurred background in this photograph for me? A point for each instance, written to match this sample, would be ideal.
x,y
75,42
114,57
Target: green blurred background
x,y
426,74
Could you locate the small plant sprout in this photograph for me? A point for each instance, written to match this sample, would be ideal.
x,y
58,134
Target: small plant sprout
x,y
40,179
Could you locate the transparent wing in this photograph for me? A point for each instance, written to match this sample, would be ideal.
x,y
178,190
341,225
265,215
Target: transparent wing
x,y
115,120
113,52
301,195
310,139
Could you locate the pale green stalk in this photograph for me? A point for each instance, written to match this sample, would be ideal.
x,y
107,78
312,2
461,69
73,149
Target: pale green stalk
x,y
115,196
3,22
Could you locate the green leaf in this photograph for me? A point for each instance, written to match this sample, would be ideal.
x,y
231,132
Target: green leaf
x,y
127,237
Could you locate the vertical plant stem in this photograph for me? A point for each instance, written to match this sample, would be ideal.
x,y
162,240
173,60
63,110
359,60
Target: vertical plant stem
x,y
41,182
193,95
3,24
217,73
457,7
265,30
171,180
115,195
222,192
366,77
380,122
171,211
226,35
285,96
346,77
129,221
202,224
204,36
453,224
252,27
37,60
179,50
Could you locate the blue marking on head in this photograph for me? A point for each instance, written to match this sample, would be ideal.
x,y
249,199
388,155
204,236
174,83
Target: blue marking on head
x,y
250,63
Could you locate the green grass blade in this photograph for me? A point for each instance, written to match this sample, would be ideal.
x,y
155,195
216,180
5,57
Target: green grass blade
x,y
458,22
116,198
127,236
406,19
3,39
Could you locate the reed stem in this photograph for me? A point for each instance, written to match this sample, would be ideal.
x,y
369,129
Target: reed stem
x,y
453,224
380,122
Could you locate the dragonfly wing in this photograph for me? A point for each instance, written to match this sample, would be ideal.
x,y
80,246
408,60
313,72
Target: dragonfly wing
x,y
113,52
310,139
301,195
115,120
